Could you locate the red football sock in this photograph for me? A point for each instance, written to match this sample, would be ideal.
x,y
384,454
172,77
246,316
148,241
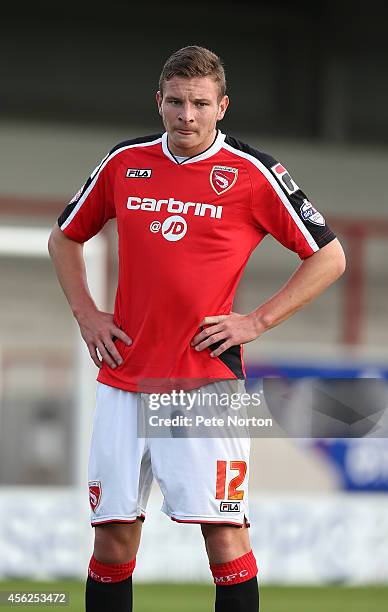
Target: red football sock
x,y
233,572
110,572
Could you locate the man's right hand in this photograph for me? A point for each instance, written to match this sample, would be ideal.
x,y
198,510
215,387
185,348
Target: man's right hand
x,y
99,330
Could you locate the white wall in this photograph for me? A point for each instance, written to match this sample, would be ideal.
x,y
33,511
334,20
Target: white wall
x,y
296,539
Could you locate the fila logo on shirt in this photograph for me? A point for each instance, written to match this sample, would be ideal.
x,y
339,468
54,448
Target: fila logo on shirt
x,y
138,173
284,178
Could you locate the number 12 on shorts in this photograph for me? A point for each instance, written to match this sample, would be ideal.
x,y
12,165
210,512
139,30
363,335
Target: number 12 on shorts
x,y
234,483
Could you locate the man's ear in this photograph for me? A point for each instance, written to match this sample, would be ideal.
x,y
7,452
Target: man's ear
x,y
223,105
159,99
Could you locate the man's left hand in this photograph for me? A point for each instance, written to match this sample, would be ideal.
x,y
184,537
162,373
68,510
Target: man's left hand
x,y
231,330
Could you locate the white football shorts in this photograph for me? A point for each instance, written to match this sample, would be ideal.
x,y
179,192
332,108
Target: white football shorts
x,y
202,479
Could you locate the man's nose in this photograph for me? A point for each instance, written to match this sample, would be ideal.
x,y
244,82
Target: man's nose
x,y
186,113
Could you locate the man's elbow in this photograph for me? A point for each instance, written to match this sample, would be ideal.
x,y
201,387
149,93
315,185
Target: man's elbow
x,y
56,239
51,241
335,261
331,259
59,244
340,261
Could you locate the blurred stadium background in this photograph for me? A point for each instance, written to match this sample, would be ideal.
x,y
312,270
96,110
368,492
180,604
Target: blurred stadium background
x,y
308,85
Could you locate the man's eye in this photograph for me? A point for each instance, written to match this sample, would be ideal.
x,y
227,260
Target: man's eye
x,y
201,103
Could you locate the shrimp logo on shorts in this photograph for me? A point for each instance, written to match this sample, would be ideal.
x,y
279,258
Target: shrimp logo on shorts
x,y
94,494
222,178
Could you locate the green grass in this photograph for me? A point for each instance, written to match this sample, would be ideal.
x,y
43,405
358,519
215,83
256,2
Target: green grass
x,y
199,598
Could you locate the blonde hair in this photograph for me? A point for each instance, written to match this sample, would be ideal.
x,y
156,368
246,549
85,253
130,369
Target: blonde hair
x,y
194,61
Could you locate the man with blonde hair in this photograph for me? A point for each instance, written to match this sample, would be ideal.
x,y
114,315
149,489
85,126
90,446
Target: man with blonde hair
x,y
191,205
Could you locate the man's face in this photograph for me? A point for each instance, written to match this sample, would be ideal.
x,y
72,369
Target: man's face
x,y
190,109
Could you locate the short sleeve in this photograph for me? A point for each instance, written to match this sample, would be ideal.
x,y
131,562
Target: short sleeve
x,y
92,206
282,209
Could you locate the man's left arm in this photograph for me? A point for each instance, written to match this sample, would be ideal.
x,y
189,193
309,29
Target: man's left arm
x,y
312,277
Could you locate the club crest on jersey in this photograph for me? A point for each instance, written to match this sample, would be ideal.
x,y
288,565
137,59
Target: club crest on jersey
x,y
230,506
95,491
222,178
309,213
138,173
284,178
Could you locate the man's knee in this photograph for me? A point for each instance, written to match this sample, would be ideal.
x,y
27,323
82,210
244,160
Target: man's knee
x,y
223,535
224,543
117,543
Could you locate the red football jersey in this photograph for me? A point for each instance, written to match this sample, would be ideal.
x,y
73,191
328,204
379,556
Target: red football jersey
x,y
186,231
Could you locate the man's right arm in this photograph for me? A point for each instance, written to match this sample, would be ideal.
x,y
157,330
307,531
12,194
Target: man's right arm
x,y
97,328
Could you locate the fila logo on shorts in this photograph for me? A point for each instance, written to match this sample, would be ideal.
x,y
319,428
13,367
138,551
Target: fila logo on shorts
x,y
229,506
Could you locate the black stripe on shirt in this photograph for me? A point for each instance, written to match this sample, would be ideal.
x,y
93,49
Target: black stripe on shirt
x,y
322,234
